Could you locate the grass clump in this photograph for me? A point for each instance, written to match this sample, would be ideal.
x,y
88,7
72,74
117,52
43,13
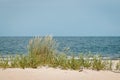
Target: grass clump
x,y
74,63
43,48
118,66
97,63
4,62
61,61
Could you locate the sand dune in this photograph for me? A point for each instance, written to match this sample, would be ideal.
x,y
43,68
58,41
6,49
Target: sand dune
x,y
56,74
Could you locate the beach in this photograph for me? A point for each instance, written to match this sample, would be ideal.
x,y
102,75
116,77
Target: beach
x,y
46,73
45,62
59,40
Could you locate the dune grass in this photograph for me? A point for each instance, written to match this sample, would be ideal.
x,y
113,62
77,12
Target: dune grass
x,y
42,51
118,66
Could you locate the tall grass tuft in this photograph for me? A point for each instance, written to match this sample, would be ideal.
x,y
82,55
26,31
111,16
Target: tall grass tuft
x,y
43,49
42,46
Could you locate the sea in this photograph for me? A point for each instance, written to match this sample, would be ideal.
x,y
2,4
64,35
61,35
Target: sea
x,y
105,46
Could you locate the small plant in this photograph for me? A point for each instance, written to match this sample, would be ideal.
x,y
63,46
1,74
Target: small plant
x,y
23,61
4,62
34,61
73,63
118,66
108,64
62,61
14,61
81,60
97,63
87,63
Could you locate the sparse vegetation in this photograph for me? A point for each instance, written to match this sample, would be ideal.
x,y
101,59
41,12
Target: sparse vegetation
x,y
42,51
118,66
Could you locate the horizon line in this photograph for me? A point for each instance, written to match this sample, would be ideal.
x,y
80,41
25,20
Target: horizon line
x,y
59,36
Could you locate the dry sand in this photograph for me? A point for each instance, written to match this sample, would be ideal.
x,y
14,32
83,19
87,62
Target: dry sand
x,y
45,73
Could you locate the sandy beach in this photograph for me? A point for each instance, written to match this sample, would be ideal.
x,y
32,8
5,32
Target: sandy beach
x,y
45,73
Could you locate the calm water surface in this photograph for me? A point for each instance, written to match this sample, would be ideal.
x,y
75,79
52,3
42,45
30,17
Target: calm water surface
x,y
106,46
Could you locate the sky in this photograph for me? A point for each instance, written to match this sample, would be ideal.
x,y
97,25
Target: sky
x,y
60,17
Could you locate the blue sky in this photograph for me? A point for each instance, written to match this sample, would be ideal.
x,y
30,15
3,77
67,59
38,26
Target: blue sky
x,y
60,17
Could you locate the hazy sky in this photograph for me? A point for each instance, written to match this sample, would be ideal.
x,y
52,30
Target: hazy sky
x,y
60,17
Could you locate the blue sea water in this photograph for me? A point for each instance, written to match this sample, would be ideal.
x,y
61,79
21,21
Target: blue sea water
x,y
106,46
